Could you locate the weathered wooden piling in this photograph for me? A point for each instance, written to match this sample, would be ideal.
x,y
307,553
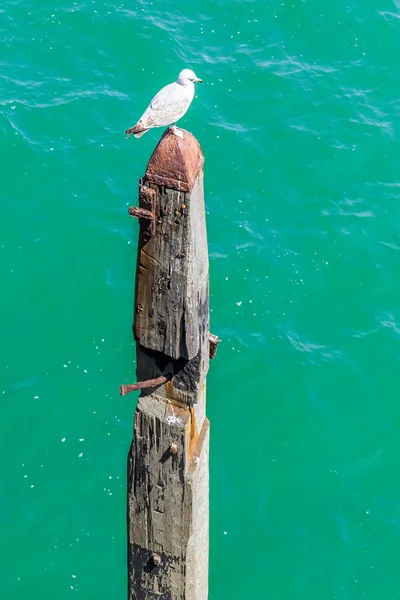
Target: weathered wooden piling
x,y
167,511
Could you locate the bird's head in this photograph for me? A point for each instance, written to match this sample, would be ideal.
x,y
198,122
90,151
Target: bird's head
x,y
187,76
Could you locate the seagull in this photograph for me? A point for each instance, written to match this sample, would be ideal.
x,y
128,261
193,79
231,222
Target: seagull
x,y
168,106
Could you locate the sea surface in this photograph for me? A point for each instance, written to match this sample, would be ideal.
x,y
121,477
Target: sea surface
x,y
299,121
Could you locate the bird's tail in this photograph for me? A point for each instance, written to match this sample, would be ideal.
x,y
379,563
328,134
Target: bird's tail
x,y
137,131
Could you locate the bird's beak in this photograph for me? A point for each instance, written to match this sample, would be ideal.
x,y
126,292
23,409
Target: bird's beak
x,y
198,80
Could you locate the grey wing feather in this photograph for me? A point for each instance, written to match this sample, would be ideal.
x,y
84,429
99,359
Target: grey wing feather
x,y
169,105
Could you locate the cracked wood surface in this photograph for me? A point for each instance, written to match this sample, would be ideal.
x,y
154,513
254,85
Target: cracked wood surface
x,y
171,304
168,504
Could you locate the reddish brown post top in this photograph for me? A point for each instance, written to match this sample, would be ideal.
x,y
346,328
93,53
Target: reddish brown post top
x,y
176,161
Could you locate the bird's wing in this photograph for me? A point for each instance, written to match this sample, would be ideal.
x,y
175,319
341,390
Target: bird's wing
x,y
169,105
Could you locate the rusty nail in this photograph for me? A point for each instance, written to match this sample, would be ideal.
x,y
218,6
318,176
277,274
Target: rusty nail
x,y
173,448
156,558
142,385
141,213
213,345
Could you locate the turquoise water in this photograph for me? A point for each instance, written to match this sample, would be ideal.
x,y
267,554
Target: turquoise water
x,y
298,118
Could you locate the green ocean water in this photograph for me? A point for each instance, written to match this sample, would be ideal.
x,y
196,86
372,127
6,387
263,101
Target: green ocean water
x,y
298,119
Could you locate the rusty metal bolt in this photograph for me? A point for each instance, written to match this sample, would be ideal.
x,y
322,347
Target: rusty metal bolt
x,y
173,448
156,558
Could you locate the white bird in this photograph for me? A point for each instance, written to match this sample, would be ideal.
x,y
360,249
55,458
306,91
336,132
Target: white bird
x,y
168,106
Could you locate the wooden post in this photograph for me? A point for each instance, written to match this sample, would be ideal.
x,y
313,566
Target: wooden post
x,y
168,461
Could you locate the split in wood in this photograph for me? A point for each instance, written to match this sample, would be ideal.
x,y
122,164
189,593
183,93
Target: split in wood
x,y
142,385
213,342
